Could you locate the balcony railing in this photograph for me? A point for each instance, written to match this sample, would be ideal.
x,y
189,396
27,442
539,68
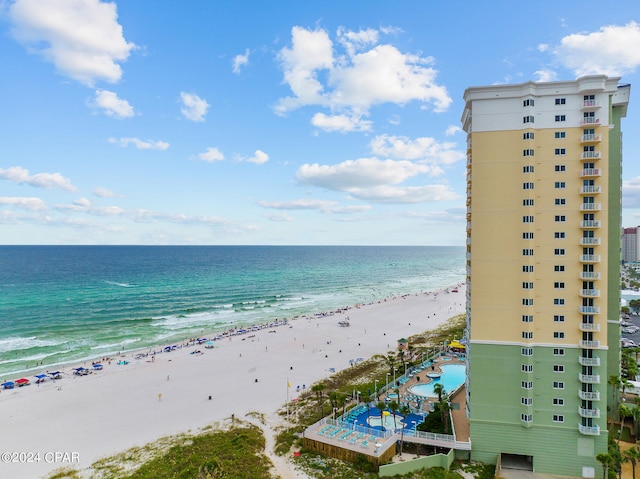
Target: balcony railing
x,y
590,258
590,309
584,412
590,207
589,240
590,293
591,138
590,189
589,104
589,344
589,430
589,395
589,362
590,155
590,224
589,378
590,120
589,275
590,172
589,326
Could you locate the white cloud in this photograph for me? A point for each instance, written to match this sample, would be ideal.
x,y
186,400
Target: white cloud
x,y
546,75
358,79
452,130
279,217
82,38
543,47
613,50
140,144
320,205
101,192
24,202
212,154
424,149
407,194
240,61
82,202
193,108
112,105
341,123
259,157
17,174
631,193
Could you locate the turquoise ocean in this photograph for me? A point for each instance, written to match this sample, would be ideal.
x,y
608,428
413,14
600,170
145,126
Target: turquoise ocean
x,y
64,304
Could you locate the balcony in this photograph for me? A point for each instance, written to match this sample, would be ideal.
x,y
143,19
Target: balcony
x,y
590,309
589,378
589,344
589,430
589,326
590,258
590,120
584,412
589,172
592,138
589,362
589,241
585,224
590,207
590,105
590,155
589,275
590,293
589,395
591,189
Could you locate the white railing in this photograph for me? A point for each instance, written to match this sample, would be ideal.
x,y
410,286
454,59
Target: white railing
x,y
590,224
590,258
590,155
589,240
590,189
591,137
590,172
589,275
589,378
590,293
589,327
584,412
590,207
589,362
589,344
590,120
589,395
589,430
590,309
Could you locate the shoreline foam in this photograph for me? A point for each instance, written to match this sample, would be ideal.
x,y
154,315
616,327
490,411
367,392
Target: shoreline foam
x,y
126,405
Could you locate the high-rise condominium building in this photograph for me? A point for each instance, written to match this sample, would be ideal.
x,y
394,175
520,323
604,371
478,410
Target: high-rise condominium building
x,y
630,248
543,270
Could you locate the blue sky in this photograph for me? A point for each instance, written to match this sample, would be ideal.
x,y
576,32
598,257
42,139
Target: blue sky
x,y
288,122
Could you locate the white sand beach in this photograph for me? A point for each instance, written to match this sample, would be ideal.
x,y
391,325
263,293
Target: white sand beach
x,y
85,418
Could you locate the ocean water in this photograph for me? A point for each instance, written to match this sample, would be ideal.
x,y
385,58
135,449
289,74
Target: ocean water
x,y
61,304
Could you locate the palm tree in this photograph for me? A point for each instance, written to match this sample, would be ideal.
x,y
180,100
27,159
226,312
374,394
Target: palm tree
x,y
381,407
623,411
607,461
615,382
404,411
632,455
445,407
367,400
439,390
393,405
318,388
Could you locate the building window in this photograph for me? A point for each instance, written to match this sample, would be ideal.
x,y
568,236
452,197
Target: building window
x,y
527,318
527,235
560,185
527,284
558,335
558,351
560,201
561,168
526,368
526,417
560,135
559,251
558,401
558,318
558,285
558,418
527,334
558,301
559,268
528,169
527,301
527,268
527,202
526,401
526,384
528,135
561,101
527,219
558,385
528,152
527,252
528,102
527,351
559,235
560,218
527,186
561,117
560,151
558,368
527,119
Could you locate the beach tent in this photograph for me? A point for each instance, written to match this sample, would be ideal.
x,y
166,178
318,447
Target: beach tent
x,y
40,378
56,375
456,345
81,371
22,382
97,366
8,385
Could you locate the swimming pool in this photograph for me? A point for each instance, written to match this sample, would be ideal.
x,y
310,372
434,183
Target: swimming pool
x,y
453,375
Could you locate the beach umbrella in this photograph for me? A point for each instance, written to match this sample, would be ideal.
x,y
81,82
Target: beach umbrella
x,y
97,366
22,381
8,384
40,377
